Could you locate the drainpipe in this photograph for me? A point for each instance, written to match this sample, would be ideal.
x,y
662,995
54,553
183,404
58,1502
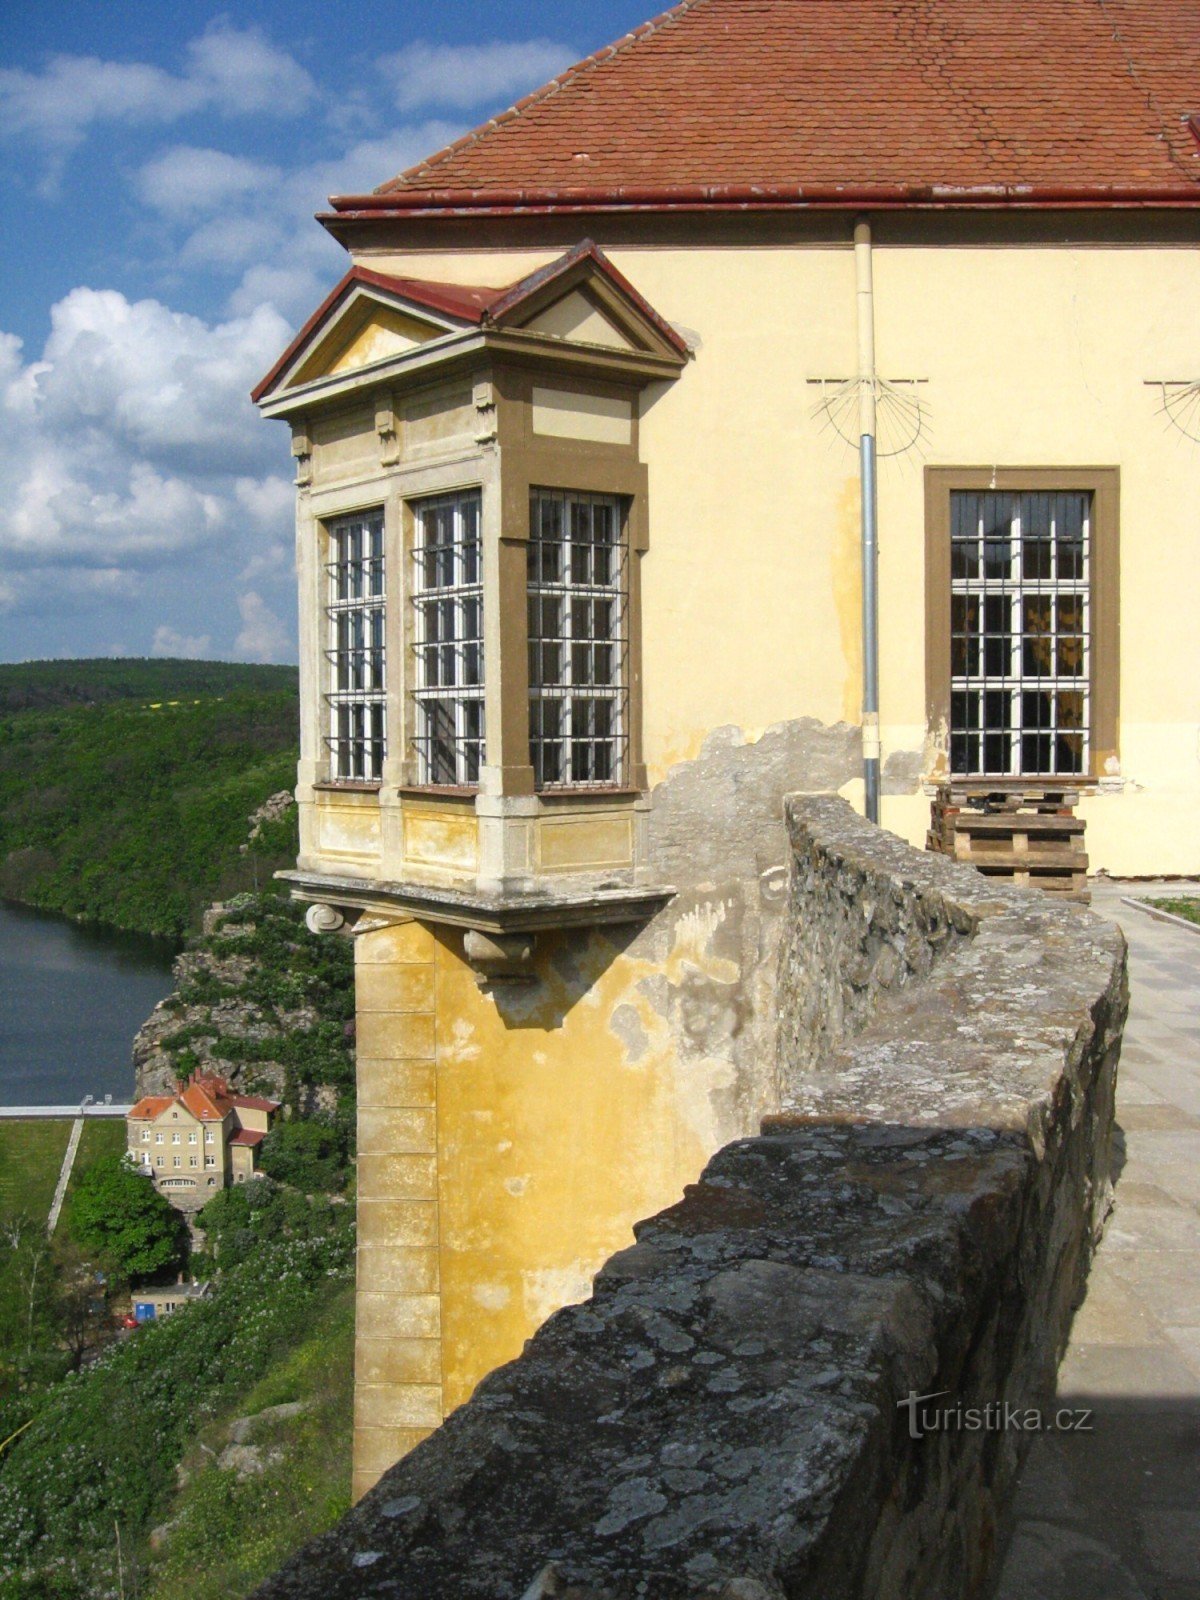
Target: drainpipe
x,y
870,549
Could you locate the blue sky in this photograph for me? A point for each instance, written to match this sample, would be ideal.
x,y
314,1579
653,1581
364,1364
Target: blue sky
x,y
160,168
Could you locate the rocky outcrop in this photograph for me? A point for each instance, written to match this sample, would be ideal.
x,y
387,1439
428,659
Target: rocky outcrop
x,y
769,1396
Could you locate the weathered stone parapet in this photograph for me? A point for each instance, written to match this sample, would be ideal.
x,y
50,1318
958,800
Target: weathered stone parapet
x,y
724,1418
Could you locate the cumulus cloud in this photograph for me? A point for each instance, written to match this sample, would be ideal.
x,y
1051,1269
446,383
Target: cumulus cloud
x,y
263,636
234,71
130,452
181,646
186,181
463,77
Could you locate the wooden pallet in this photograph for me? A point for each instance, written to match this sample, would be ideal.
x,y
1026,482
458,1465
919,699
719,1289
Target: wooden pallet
x,y
1029,836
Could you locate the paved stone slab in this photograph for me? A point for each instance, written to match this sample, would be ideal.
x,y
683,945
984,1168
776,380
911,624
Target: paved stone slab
x,y
1114,1514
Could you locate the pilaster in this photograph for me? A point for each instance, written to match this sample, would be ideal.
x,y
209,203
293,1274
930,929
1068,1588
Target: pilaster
x,y
397,1356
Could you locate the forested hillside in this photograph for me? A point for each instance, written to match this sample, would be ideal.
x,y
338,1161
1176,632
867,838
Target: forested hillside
x,y
125,786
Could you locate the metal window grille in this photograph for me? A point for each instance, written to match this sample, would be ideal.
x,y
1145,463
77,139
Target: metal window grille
x,y
356,610
1020,633
447,597
578,640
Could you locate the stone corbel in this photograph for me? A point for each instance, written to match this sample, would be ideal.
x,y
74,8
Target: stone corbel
x,y
324,918
484,397
302,450
499,957
387,428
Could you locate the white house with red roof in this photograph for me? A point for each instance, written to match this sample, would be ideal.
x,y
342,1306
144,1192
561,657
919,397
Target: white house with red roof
x,y
796,394
198,1140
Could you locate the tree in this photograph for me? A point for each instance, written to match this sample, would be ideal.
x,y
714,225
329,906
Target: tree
x,y
121,1217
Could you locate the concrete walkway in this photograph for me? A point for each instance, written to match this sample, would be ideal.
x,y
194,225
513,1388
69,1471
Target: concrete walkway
x,y
1114,1514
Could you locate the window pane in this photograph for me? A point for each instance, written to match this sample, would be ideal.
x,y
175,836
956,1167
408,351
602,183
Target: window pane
x,y
448,652
356,612
1027,580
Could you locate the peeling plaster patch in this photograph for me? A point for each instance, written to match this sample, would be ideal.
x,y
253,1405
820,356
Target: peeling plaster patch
x,y
461,1046
902,771
504,1146
627,1025
516,1186
546,1291
491,1296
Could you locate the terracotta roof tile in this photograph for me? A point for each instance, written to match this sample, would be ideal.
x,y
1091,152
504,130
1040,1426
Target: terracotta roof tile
x,y
1085,94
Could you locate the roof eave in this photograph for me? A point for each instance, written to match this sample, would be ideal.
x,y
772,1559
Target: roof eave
x,y
577,201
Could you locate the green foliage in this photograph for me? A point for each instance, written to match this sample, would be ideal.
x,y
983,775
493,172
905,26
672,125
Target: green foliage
x,y
228,1532
30,685
103,1447
238,1220
120,1217
131,810
310,1155
1186,906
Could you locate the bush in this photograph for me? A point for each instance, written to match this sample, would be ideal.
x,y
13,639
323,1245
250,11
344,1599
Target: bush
x,y
309,1155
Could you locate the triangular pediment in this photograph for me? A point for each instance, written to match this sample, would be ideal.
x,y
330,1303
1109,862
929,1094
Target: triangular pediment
x,y
577,316
366,328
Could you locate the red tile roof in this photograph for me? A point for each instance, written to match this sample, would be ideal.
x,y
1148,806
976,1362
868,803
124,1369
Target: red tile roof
x,y
253,1102
250,1136
205,1102
150,1105
785,102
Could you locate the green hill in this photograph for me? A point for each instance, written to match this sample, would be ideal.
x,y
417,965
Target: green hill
x,y
125,785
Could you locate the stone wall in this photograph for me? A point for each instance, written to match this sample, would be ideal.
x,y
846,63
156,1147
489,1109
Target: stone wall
x,y
724,1417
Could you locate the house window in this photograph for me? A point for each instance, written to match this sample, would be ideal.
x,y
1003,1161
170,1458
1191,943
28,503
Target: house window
x,y
208,1136
191,1161
145,1135
160,1161
210,1161
1021,598
355,612
447,597
191,1138
176,1161
175,1138
578,640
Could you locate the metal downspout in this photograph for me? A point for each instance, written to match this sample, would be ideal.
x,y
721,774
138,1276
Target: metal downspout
x,y
865,298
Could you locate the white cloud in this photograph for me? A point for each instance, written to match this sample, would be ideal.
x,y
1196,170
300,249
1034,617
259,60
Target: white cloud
x,y
263,636
185,646
133,464
242,72
235,71
467,76
186,181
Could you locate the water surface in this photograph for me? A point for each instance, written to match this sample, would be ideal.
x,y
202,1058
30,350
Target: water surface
x,y
71,1000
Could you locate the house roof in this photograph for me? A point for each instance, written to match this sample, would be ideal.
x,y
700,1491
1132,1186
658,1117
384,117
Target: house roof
x,y
206,1101
250,1136
254,1102
150,1106
471,306
777,103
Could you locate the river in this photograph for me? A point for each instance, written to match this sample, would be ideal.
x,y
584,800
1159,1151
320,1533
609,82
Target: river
x,y
71,1000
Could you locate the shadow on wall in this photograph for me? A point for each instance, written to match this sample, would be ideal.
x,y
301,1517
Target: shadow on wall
x,y
731,1415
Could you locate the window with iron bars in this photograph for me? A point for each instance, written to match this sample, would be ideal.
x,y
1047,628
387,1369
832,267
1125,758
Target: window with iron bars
x,y
357,736
1020,633
578,640
447,598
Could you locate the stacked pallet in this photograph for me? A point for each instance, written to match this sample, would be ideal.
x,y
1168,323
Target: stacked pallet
x,y
1028,835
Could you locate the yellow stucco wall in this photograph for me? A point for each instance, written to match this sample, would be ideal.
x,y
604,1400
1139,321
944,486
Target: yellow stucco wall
x,y
1034,354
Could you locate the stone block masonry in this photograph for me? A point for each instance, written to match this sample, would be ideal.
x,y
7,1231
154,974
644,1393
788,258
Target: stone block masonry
x,y
398,1368
726,1416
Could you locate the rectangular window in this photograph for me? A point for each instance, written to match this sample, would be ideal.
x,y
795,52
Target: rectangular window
x,y
208,1136
1019,633
578,640
176,1161
447,597
356,611
210,1161
158,1138
145,1135
160,1161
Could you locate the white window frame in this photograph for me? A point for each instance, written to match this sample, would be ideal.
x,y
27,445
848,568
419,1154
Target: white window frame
x,y
578,665
447,697
998,684
356,649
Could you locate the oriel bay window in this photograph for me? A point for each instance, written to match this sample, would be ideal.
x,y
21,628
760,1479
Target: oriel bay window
x,y
447,597
1022,645
356,615
578,640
